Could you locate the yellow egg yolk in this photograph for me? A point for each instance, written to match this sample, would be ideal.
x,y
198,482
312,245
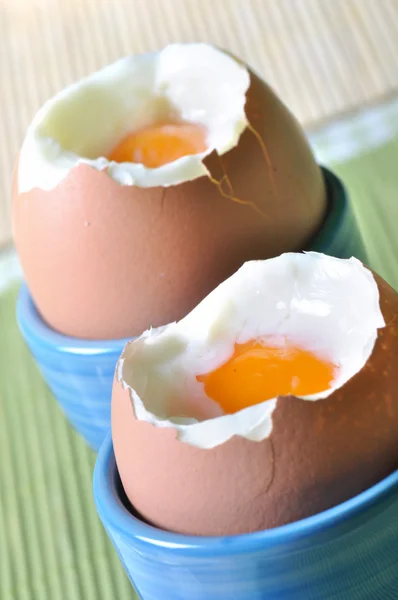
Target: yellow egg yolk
x,y
256,373
157,145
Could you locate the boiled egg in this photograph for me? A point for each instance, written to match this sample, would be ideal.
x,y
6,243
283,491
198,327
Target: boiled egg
x,y
274,399
141,187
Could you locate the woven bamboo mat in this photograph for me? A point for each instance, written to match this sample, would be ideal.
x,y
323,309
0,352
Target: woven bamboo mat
x,y
323,57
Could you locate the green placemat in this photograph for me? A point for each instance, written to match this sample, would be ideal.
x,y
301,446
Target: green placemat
x,y
53,546
372,181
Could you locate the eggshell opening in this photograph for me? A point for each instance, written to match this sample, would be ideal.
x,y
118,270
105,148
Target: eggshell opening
x,y
195,83
325,305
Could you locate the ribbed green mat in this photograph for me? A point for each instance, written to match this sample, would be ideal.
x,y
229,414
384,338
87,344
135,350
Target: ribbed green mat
x,y
53,546
372,181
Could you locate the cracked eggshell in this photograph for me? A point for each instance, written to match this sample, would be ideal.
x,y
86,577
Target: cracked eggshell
x,y
318,454
107,260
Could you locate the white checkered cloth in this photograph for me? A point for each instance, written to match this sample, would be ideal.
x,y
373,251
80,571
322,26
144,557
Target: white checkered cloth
x,y
337,142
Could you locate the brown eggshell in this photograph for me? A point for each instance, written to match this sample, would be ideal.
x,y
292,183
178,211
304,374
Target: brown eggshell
x,y
318,454
107,261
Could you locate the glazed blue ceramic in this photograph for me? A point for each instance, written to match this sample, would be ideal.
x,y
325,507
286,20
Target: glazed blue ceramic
x,y
80,372
349,552
339,235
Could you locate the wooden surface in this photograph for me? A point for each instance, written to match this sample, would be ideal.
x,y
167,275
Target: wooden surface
x,y
324,57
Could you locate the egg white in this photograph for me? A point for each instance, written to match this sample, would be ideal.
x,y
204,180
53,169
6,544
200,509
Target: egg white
x,y
326,305
196,83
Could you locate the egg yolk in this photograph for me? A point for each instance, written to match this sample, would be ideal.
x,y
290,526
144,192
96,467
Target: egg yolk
x,y
157,145
256,373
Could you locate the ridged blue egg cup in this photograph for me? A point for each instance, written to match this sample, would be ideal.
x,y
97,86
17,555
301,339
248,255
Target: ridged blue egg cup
x,y
80,372
349,552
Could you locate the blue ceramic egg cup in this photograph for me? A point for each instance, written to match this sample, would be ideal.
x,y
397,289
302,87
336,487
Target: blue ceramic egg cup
x,y
80,372
349,552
